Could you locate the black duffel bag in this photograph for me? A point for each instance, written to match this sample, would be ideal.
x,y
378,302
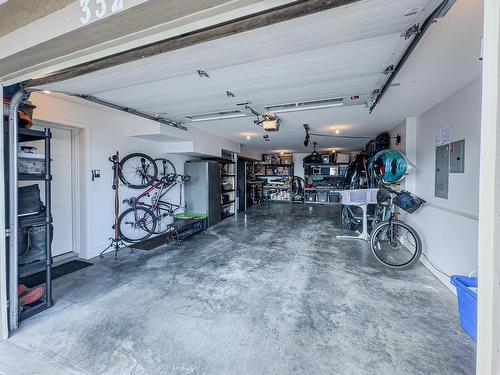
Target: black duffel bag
x,y
29,202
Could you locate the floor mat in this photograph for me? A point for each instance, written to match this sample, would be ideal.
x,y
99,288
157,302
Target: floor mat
x,y
64,269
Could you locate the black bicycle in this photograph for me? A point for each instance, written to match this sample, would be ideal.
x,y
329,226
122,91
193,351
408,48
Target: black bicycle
x,y
393,242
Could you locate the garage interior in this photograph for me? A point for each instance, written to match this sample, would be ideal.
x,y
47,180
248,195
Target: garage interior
x,y
253,136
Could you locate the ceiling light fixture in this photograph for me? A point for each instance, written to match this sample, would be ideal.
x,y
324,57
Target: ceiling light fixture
x,y
305,106
221,115
248,137
46,91
337,131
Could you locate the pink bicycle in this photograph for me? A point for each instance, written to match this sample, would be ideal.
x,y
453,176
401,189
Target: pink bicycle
x,y
149,212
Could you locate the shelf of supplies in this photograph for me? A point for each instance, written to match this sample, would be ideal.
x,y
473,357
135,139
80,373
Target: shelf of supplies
x,y
277,165
324,176
273,175
33,177
324,164
328,188
278,187
29,135
227,203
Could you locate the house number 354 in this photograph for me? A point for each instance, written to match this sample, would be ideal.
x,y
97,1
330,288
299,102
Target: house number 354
x,y
98,9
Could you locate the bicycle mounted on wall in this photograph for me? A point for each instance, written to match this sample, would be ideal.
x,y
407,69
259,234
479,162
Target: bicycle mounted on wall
x,y
143,219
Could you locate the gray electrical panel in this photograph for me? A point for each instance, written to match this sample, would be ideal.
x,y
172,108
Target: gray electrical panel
x,y
457,156
442,171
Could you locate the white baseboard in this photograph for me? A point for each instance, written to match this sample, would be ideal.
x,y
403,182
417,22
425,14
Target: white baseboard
x,y
445,280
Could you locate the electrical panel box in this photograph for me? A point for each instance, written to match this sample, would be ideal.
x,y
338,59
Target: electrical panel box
x,y
442,171
457,156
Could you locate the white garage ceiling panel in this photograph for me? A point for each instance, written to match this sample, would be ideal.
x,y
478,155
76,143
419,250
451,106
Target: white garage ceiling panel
x,y
337,53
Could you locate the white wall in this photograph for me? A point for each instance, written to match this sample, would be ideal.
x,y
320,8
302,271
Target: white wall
x,y
108,131
449,227
298,163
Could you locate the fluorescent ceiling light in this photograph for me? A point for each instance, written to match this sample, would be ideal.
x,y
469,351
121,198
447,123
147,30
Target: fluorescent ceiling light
x,y
221,115
307,105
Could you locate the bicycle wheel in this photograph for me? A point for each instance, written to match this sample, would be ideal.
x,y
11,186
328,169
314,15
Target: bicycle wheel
x,y
165,167
138,170
136,224
395,244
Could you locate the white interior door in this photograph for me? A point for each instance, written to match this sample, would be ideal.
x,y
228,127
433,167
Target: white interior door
x,y
62,210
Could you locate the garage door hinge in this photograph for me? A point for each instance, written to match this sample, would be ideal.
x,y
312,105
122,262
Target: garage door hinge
x,y
414,30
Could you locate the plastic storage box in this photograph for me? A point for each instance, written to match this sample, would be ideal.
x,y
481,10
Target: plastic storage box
x,y
323,196
467,303
333,197
31,163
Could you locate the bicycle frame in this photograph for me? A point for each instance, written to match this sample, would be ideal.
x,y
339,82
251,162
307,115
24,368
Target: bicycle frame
x,y
164,185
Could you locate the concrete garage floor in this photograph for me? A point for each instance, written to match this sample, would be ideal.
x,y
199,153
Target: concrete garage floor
x,y
272,292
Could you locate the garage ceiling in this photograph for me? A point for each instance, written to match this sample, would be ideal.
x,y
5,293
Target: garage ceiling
x,y
341,52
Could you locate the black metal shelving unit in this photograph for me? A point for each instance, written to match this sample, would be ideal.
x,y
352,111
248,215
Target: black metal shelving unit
x,y
276,192
228,208
29,135
325,184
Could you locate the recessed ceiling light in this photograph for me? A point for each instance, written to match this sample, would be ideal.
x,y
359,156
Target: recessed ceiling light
x,y
46,91
281,153
337,131
248,137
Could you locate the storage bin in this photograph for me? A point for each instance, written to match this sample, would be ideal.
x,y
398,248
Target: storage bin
x,y
323,196
310,196
467,303
28,163
29,202
333,197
